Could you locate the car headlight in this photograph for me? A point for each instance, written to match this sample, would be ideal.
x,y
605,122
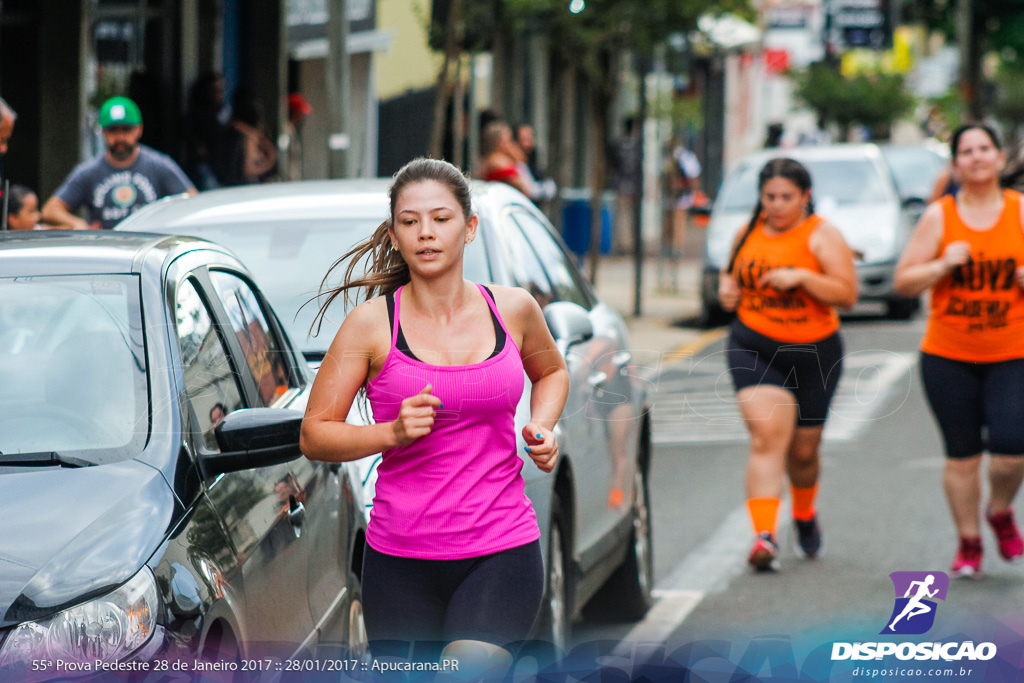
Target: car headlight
x,y
107,628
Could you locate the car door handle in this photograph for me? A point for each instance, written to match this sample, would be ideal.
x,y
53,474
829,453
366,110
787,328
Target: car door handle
x,y
597,379
621,358
297,514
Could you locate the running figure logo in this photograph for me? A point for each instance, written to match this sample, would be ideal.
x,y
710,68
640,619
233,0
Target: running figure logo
x,y
914,613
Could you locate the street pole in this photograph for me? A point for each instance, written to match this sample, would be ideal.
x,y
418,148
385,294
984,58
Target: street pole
x,y
638,205
964,30
337,88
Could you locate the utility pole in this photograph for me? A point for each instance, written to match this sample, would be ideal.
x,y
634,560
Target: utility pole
x,y
644,64
337,88
965,41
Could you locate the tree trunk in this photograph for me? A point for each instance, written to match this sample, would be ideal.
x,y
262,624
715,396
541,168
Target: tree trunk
x,y
452,34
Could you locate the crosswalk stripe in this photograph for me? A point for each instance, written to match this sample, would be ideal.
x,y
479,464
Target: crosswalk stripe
x,y
697,405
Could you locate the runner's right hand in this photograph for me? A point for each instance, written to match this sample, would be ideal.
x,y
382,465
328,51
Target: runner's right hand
x,y
416,416
956,254
728,292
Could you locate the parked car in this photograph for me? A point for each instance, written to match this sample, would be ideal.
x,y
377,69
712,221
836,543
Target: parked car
x,y
594,510
853,188
155,500
915,169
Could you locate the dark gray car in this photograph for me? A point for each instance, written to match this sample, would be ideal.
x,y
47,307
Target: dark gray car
x,y
155,500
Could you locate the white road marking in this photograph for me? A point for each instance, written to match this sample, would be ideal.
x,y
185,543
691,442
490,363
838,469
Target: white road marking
x,y
700,406
707,569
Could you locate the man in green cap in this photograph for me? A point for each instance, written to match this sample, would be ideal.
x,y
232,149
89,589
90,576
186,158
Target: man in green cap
x,y
117,183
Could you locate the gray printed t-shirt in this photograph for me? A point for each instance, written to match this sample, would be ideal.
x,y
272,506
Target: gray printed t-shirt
x,y
111,194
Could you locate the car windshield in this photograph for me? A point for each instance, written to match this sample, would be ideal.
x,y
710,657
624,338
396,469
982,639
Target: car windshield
x,y
72,367
289,261
837,181
915,170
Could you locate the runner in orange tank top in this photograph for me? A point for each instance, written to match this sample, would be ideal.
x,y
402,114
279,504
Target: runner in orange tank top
x,y
789,270
969,250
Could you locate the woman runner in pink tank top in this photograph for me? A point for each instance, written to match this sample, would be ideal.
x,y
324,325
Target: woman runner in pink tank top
x,y
453,558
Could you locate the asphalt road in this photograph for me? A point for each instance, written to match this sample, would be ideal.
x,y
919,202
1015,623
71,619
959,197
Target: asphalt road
x,y
880,504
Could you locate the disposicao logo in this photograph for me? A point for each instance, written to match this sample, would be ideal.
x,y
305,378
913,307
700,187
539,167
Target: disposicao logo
x,y
914,612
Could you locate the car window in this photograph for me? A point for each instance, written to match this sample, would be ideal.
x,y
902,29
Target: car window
x,y
210,382
915,169
839,181
567,282
265,354
524,264
72,367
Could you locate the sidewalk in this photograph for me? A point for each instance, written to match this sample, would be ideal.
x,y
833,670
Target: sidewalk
x,y
660,327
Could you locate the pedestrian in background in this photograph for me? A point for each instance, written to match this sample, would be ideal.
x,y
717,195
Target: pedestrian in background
x,y
118,182
966,249
788,271
22,209
247,156
7,119
452,552
541,188
500,157
298,110
204,129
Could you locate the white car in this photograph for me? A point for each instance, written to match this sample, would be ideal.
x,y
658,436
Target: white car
x,y
853,188
594,510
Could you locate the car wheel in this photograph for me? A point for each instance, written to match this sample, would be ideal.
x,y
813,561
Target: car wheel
x,y
554,621
627,593
902,309
358,641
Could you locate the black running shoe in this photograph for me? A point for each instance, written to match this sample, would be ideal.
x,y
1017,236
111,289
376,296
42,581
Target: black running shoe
x,y
808,538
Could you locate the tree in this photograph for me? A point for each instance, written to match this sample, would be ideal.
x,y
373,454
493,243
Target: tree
x,y
872,100
590,38
996,26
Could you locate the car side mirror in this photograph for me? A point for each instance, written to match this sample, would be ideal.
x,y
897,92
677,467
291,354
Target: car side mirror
x,y
254,437
914,202
569,323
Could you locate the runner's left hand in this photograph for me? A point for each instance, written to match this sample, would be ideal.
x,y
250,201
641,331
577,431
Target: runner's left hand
x,y
541,446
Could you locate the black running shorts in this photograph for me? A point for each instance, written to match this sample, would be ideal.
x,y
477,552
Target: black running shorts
x,y
428,603
978,406
809,371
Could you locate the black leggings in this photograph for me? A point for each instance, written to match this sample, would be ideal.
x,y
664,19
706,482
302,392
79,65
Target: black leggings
x,y
810,371
979,406
494,598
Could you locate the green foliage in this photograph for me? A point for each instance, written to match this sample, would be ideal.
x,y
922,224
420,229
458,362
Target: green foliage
x,y
873,100
1009,104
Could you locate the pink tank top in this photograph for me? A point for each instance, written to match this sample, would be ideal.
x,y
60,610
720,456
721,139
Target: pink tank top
x,y
457,492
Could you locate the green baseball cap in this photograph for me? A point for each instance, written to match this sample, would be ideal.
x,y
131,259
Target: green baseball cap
x,y
120,111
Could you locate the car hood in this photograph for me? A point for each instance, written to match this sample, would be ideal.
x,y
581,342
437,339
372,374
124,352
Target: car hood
x,y
73,534
874,230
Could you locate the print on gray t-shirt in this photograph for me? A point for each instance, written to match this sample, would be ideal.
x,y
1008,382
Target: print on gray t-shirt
x,y
110,194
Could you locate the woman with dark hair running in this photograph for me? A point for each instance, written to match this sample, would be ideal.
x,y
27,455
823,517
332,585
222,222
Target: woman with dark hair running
x,y
788,271
452,558
968,248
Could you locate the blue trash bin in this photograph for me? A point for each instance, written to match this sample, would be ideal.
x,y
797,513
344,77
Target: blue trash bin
x,y
576,226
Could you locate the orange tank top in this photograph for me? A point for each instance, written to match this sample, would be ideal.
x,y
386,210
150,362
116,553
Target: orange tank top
x,y
977,311
787,316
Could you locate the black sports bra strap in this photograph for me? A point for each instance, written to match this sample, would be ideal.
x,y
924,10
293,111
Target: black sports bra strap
x,y
402,345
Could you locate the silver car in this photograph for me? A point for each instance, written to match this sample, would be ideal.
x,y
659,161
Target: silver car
x,y
852,187
594,509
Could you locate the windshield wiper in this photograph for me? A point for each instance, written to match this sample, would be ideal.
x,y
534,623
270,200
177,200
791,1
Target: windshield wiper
x,y
42,459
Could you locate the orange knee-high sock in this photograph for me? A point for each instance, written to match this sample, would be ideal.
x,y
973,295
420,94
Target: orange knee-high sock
x,y
763,512
803,502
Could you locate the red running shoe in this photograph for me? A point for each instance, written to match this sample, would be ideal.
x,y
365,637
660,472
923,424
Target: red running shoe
x,y
1011,546
967,563
763,555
